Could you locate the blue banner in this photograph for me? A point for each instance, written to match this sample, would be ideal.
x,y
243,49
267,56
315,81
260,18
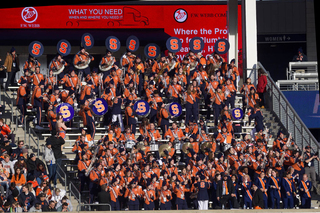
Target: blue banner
x,y
306,104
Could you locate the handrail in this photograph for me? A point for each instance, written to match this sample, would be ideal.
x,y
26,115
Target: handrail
x,y
289,118
298,85
36,142
75,192
62,176
10,105
301,65
24,123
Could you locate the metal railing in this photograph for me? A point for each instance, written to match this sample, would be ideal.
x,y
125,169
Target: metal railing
x,y
307,67
62,176
35,141
298,85
10,105
288,117
73,191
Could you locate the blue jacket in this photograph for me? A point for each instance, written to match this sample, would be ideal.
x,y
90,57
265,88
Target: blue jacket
x,y
272,191
306,184
287,186
258,119
259,184
116,108
203,187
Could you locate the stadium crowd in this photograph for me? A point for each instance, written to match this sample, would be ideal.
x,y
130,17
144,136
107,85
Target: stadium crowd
x,y
171,165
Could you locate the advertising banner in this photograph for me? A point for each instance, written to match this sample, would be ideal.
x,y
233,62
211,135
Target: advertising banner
x,y
182,21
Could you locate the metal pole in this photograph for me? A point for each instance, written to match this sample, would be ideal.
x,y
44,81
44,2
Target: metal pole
x,y
25,128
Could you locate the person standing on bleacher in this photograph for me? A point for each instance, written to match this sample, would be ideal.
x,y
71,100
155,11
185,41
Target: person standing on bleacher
x,y
11,63
22,100
50,161
261,86
37,100
56,143
310,169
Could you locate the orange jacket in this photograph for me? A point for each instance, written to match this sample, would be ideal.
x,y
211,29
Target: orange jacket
x,y
18,181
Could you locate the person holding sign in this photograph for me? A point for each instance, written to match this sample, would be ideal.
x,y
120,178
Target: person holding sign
x,y
61,128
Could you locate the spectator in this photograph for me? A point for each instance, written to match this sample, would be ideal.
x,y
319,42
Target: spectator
x,y
13,196
309,159
300,56
4,129
63,208
21,164
64,201
50,160
15,207
18,178
12,65
31,189
42,187
41,198
4,178
32,164
33,184
41,173
58,194
261,87
6,207
51,207
5,147
17,152
26,199
12,187
56,144
36,208
8,164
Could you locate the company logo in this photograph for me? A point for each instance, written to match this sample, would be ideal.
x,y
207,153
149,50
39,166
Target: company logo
x,y
29,14
180,15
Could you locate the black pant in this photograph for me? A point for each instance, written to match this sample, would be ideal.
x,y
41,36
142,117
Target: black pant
x,y
228,198
10,79
261,96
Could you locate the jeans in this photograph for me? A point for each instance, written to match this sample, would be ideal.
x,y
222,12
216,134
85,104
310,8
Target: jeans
x,y
4,184
52,173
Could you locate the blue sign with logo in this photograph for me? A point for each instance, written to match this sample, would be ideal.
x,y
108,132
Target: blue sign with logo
x,y
99,107
36,49
64,47
175,109
237,113
87,40
132,43
113,44
141,108
66,110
